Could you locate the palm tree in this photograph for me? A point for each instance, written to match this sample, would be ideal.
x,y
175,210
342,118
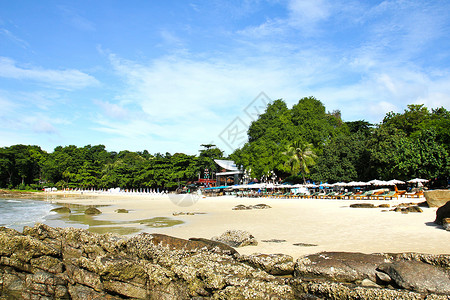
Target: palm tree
x,y
300,155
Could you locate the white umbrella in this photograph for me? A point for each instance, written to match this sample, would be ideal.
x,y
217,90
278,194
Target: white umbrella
x,y
270,186
339,184
417,180
378,182
298,185
326,185
395,182
310,185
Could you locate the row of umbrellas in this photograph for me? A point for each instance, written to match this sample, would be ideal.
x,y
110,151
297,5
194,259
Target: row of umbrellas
x,y
374,182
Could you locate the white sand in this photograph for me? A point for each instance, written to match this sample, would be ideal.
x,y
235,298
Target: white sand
x,y
330,224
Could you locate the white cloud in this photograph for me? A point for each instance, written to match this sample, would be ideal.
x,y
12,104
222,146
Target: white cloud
x,y
305,13
113,110
59,79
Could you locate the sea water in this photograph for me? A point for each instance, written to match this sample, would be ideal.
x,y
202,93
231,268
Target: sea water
x,y
17,213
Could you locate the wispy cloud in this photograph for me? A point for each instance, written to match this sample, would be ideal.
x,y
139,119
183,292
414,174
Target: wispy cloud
x,y
59,79
75,19
24,44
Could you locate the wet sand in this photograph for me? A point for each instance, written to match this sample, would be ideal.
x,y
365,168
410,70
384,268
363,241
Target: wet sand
x,y
331,225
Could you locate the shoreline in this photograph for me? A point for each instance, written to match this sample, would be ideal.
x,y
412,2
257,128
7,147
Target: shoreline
x,y
330,224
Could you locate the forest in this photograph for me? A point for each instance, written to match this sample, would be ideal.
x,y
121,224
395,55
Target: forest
x,y
302,143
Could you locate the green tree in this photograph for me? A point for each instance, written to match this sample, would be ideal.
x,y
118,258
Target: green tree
x,y
300,156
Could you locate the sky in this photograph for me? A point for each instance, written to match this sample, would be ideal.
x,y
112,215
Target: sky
x,y
168,76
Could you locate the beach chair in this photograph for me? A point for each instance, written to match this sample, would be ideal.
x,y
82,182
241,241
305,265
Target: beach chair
x,y
390,195
378,195
361,196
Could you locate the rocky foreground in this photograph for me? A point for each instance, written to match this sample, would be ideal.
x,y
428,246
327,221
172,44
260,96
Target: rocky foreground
x,y
54,263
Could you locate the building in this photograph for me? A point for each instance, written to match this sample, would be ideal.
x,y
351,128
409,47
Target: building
x,y
229,173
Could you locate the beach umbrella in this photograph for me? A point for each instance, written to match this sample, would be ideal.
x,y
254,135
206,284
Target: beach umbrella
x,y
339,184
418,180
325,185
298,185
310,185
395,182
378,182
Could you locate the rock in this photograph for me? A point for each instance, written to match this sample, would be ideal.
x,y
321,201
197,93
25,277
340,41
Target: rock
x,y
92,211
92,266
437,198
418,276
236,238
192,244
383,277
385,205
273,241
261,206
121,211
304,245
446,224
369,283
339,266
62,210
275,264
362,205
224,248
69,263
241,207
442,213
257,206
414,208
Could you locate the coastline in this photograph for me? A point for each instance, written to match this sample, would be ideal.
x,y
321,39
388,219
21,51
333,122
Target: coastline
x,y
331,225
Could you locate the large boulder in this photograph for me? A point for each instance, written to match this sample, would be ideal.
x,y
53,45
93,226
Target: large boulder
x,y
68,263
340,266
437,198
236,238
442,213
275,264
62,210
417,276
92,211
446,224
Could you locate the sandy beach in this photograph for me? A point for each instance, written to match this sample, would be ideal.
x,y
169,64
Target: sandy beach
x,y
331,225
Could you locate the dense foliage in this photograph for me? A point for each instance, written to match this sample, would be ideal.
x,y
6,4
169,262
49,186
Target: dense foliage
x,y
304,142
405,145
94,167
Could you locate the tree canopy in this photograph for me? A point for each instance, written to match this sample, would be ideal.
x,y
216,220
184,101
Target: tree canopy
x,y
301,143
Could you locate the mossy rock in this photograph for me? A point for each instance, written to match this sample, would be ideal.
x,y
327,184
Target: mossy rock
x,y
121,211
62,210
92,211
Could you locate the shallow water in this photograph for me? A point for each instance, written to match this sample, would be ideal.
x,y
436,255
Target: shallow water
x,y
16,213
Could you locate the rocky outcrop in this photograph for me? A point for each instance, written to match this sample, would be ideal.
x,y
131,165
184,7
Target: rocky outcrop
x,y
442,213
362,205
248,207
54,263
437,198
275,264
417,276
446,224
236,238
92,211
62,210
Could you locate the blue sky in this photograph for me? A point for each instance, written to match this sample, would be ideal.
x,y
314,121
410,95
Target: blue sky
x,y
167,76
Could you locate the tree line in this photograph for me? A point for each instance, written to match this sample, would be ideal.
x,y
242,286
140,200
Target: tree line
x,y
307,142
30,167
302,143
